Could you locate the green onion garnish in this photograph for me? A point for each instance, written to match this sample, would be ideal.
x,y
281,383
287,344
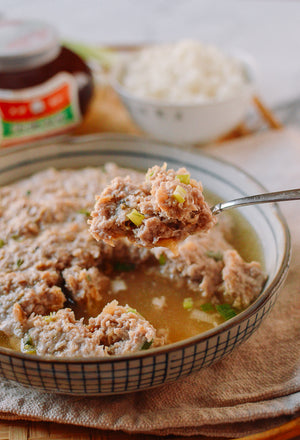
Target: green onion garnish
x,y
179,194
217,256
149,174
207,307
88,277
20,262
49,318
123,267
184,178
188,303
27,345
28,192
15,237
85,212
2,243
146,345
136,217
130,310
226,311
162,259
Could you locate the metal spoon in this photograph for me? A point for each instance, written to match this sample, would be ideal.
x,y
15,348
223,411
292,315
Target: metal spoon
x,y
279,196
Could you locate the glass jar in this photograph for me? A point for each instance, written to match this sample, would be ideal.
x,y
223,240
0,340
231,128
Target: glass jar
x,y
45,88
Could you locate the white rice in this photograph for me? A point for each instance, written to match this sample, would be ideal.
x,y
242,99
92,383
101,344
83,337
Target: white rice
x,y
187,71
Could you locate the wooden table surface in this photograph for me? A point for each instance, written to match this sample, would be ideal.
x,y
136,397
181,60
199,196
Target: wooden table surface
x,y
107,114
47,431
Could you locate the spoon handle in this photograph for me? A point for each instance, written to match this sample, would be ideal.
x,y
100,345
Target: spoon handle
x,y
279,196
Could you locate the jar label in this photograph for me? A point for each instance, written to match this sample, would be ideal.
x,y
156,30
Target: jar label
x,y
48,109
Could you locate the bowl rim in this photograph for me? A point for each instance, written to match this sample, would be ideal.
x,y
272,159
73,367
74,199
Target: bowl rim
x,y
263,298
245,59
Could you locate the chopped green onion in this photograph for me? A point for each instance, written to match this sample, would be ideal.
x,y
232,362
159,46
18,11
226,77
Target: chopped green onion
x,y
136,217
2,243
123,267
179,194
162,259
217,256
184,178
20,262
199,315
226,311
207,307
149,174
88,277
146,345
15,237
49,318
28,192
27,345
85,212
130,310
188,303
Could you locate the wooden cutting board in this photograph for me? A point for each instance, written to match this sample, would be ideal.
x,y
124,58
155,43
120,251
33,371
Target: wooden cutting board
x,y
106,114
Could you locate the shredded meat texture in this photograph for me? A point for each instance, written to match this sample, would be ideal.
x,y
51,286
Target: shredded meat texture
x,y
87,286
43,220
211,267
123,329
48,258
199,262
242,281
45,245
162,216
28,292
60,335
116,330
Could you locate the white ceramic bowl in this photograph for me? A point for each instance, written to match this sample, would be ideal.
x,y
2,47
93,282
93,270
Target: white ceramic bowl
x,y
182,122
153,367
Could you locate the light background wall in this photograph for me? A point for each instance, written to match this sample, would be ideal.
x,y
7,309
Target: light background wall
x,y
269,30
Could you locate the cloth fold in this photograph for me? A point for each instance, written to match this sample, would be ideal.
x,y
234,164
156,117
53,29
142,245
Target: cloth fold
x,y
256,388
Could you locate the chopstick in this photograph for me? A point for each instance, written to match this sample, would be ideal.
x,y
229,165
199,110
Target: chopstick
x,y
266,114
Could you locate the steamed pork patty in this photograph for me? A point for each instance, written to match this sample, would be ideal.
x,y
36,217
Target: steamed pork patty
x,y
164,208
59,286
116,330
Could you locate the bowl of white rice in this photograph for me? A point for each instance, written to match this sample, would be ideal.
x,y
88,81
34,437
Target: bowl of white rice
x,y
185,92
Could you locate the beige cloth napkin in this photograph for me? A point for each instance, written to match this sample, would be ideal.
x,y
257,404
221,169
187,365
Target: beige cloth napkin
x,y
256,388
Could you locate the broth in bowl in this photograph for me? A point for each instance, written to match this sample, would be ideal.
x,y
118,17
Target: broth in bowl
x,y
65,295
